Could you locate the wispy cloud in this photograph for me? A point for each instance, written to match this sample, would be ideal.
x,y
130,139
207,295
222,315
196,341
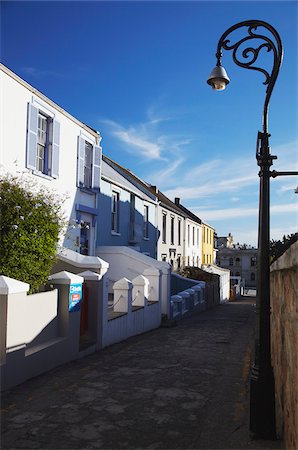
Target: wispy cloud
x,y
39,73
230,213
147,139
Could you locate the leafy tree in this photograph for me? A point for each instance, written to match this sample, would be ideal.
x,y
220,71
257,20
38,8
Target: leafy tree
x,y
31,220
278,247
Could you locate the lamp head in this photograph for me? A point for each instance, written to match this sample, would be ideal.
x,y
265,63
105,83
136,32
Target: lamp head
x,y
218,78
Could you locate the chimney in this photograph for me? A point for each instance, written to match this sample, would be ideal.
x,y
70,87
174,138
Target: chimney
x,y
177,201
154,188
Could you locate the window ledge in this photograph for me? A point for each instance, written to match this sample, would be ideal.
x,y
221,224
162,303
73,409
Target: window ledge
x,y
146,239
89,191
115,233
42,175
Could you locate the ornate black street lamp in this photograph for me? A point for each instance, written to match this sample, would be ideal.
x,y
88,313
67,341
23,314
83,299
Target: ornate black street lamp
x,y
259,35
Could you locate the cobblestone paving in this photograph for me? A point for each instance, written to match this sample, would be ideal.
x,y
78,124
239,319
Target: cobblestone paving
x,y
184,387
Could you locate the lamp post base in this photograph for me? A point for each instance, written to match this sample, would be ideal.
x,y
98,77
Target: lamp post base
x,y
262,404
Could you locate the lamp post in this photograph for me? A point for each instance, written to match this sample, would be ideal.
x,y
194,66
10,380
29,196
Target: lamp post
x,y
262,392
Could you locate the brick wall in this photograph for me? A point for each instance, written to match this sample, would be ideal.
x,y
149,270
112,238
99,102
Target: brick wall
x,y
284,342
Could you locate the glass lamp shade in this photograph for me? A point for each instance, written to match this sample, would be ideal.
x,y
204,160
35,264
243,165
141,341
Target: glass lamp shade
x,y
218,78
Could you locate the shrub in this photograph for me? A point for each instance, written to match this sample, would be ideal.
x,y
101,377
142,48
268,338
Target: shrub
x,y
31,220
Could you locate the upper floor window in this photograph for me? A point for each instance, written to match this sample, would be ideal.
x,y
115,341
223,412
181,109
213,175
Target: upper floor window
x,y
164,228
43,140
253,261
179,232
193,235
115,211
252,276
237,260
188,235
231,262
84,238
172,230
89,164
146,222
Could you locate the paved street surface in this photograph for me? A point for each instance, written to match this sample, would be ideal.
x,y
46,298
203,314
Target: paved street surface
x,y
183,387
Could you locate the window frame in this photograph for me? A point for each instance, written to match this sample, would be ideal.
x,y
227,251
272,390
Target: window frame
x,y
115,214
179,231
51,146
164,228
172,230
146,222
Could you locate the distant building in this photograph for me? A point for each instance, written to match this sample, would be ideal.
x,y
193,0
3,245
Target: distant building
x,y
240,260
207,244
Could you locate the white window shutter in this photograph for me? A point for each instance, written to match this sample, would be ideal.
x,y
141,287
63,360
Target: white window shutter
x,y
81,161
96,170
55,149
32,137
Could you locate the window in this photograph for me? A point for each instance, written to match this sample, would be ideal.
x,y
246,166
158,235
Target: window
x,y
89,165
164,257
43,138
146,222
253,261
237,260
231,262
172,230
188,235
84,238
193,235
164,227
179,232
252,276
115,211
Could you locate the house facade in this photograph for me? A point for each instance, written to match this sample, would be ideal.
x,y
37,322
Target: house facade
x,y
241,261
128,211
55,150
192,250
171,234
207,244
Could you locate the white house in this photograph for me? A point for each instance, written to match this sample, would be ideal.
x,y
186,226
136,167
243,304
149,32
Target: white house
x,y
171,231
56,150
192,237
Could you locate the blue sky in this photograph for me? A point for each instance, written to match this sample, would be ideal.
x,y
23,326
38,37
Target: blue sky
x,y
136,72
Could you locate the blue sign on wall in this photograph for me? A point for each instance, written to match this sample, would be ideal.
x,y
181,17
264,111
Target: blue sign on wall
x,y
75,297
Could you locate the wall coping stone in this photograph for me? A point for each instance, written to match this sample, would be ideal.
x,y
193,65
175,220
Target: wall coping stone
x,y
124,283
140,280
65,277
11,286
78,260
288,260
90,276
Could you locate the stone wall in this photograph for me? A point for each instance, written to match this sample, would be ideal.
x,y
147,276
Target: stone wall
x,y
284,335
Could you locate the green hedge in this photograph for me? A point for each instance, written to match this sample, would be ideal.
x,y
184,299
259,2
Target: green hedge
x,y
31,220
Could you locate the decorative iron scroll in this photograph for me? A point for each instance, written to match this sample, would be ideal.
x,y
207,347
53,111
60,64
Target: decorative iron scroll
x,y
251,53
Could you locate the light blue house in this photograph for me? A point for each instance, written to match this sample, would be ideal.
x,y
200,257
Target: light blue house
x,y
127,211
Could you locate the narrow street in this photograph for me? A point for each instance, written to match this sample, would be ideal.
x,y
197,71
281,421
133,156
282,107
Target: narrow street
x,y
182,387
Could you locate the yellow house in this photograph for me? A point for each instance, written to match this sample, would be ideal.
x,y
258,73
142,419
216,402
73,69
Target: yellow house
x,y
207,244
